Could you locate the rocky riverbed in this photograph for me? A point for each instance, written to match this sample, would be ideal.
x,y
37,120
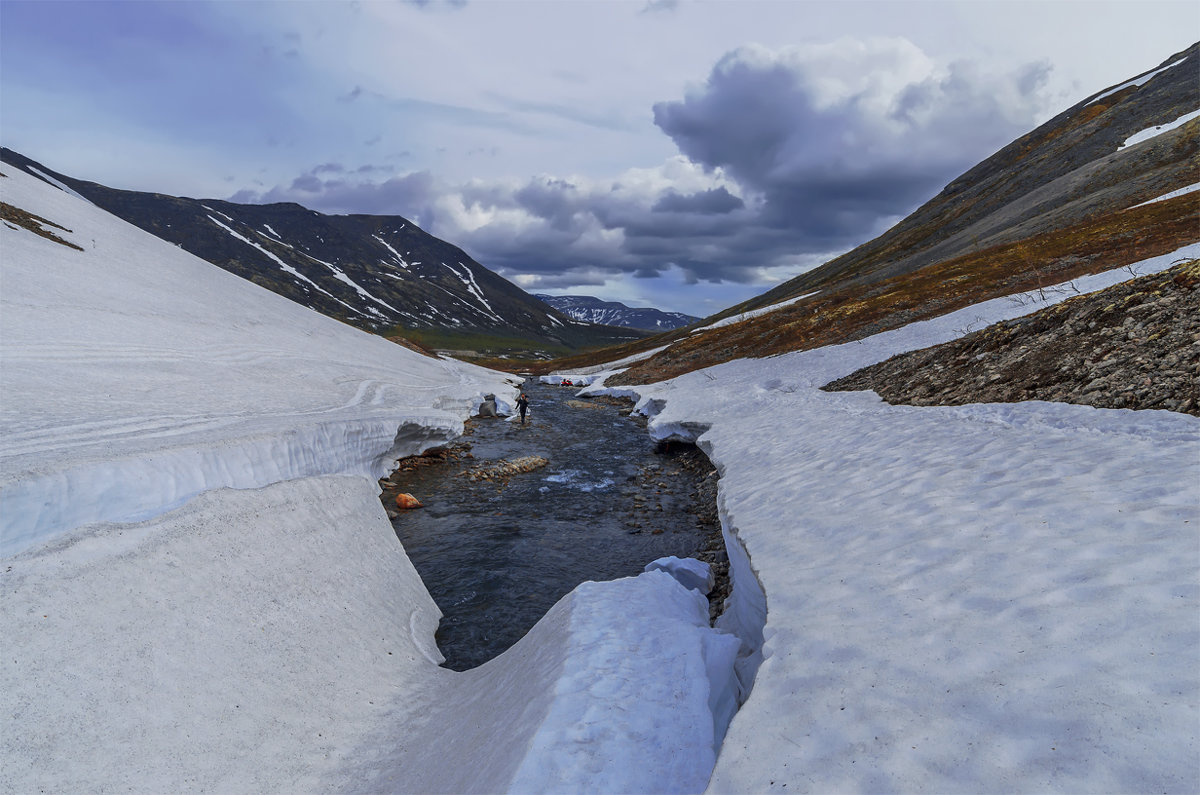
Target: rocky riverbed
x,y
1135,345
517,515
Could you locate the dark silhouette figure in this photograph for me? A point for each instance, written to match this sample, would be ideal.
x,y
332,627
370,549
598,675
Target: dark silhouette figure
x,y
523,406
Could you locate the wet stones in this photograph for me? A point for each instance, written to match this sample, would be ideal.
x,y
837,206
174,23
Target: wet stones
x,y
499,470
640,506
392,486
584,404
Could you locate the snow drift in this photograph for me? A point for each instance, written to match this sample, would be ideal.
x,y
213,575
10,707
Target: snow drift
x,y
202,591
987,598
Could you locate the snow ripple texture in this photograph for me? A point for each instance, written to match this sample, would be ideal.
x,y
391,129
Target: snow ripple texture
x,y
137,376
202,591
988,598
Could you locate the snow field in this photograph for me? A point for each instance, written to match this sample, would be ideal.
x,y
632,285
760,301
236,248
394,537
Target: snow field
x,y
253,624
979,598
136,375
189,653
987,598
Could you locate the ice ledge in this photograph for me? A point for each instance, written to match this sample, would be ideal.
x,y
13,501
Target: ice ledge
x,y
745,612
278,639
43,502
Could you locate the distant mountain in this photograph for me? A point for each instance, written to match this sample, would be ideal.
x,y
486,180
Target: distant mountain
x,y
587,309
380,273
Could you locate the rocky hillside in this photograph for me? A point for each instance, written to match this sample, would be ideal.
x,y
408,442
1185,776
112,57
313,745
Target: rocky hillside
x,y
1135,346
588,309
380,273
1075,196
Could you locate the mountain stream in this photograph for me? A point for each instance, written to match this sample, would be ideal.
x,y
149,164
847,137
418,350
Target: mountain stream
x,y
497,551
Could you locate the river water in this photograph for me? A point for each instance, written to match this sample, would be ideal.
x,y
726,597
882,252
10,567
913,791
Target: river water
x,y
497,554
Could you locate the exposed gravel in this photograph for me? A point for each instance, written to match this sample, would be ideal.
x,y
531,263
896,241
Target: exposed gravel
x,y
1135,345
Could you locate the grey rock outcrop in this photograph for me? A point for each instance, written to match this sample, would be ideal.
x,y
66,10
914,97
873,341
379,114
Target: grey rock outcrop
x,y
1135,345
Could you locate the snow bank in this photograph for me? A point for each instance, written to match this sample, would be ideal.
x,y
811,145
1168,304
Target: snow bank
x,y
978,598
187,652
575,379
693,574
137,376
678,677
202,591
595,374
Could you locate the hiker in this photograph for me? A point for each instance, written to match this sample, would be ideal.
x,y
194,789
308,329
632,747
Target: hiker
x,y
523,406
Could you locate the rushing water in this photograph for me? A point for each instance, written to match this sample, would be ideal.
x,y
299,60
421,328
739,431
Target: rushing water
x,y
496,555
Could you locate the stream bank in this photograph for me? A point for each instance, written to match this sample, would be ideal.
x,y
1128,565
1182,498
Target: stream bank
x,y
497,548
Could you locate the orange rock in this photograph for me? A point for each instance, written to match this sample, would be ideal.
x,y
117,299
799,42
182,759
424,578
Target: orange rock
x,y
407,501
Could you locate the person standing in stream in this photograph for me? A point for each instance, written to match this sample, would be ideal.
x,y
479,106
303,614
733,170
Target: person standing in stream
x,y
523,406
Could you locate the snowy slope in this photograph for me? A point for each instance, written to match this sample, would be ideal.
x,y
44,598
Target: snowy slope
x,y
127,364
373,272
981,598
990,598
202,591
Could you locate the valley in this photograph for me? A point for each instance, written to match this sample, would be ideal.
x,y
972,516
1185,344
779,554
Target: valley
x,y
922,518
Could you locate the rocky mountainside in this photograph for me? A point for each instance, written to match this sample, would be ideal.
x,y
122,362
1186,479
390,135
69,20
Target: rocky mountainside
x,y
588,309
1135,345
1101,185
380,273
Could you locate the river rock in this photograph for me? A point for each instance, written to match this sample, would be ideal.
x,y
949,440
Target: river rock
x,y
407,501
488,407
504,469
1135,345
584,404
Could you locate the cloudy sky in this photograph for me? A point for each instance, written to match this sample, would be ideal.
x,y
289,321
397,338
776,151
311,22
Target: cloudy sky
x,y
676,153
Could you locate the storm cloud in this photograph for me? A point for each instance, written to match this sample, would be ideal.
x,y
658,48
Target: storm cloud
x,y
714,201
786,157
835,138
352,191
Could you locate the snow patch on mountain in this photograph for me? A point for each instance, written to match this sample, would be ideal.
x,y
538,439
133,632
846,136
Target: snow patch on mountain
x,y
282,265
740,316
1138,81
395,253
586,309
1153,132
1195,186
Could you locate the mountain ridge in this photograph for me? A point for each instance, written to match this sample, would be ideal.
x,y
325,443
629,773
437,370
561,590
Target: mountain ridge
x,y
380,273
589,309
1090,190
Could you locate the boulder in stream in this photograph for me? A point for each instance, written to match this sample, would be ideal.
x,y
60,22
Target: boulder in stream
x,y
488,407
407,501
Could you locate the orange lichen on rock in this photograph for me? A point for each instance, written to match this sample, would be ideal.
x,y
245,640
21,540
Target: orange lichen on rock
x,y
407,501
